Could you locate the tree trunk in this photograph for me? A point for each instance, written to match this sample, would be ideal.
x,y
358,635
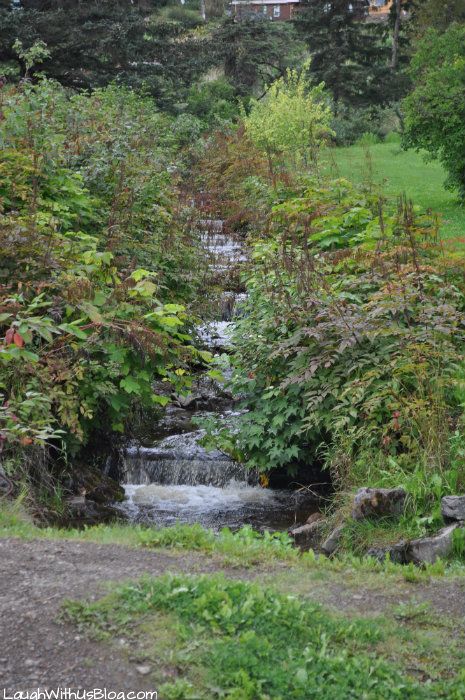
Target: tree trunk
x,y
203,10
395,34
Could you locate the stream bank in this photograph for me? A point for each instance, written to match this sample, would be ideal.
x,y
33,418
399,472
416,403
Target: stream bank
x,y
169,476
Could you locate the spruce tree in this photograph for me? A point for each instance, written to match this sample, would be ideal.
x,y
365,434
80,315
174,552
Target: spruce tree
x,y
255,52
94,42
349,54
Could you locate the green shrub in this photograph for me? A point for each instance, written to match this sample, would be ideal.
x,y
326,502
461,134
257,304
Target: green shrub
x,y
291,123
393,137
367,139
213,102
94,267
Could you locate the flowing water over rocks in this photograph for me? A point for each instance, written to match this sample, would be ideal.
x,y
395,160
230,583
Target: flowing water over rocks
x,y
179,459
173,478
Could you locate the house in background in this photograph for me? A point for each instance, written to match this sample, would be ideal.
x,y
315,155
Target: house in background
x,y
380,6
267,9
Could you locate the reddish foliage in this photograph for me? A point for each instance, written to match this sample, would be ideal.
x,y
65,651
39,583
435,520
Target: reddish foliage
x,y
18,340
9,335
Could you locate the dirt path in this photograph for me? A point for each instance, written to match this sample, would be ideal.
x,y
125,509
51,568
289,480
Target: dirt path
x,y
37,576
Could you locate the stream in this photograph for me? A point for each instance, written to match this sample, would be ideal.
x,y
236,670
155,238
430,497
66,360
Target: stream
x,y
169,477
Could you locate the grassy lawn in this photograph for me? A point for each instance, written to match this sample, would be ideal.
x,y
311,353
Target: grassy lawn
x,y
400,172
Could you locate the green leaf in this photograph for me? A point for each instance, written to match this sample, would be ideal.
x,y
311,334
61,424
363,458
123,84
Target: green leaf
x,y
99,298
141,274
130,385
73,330
173,308
160,400
92,312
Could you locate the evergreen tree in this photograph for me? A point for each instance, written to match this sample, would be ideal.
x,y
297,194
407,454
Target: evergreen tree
x,y
436,14
350,55
255,52
96,42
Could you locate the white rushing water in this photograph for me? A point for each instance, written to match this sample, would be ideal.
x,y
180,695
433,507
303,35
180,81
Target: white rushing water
x,y
231,505
174,478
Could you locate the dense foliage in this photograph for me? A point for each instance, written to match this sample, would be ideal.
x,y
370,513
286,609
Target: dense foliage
x,y
349,352
94,267
146,44
163,48
435,110
195,59
254,52
350,55
435,14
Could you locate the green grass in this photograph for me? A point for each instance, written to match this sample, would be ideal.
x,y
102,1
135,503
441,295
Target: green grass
x,y
401,172
269,636
208,637
243,548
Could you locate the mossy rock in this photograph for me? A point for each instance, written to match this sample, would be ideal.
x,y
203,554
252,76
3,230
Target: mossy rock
x,y
96,486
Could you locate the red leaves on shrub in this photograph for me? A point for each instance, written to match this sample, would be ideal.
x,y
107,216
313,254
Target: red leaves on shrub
x,y
13,337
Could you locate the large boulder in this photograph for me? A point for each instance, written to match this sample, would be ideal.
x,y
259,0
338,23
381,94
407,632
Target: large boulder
x,y
378,503
453,508
427,549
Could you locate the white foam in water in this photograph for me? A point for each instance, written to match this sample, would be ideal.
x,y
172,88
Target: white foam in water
x,y
202,498
232,505
215,225
216,334
223,250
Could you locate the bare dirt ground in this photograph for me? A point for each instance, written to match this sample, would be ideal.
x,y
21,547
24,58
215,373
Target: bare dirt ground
x,y
37,650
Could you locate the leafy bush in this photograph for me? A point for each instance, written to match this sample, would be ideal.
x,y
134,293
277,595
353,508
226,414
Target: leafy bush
x,y
94,266
350,349
213,102
291,122
435,111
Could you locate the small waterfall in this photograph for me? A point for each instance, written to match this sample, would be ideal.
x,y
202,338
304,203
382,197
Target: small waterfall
x,y
179,459
175,479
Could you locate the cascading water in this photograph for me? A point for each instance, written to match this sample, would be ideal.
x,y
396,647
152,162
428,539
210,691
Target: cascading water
x,y
175,479
179,459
